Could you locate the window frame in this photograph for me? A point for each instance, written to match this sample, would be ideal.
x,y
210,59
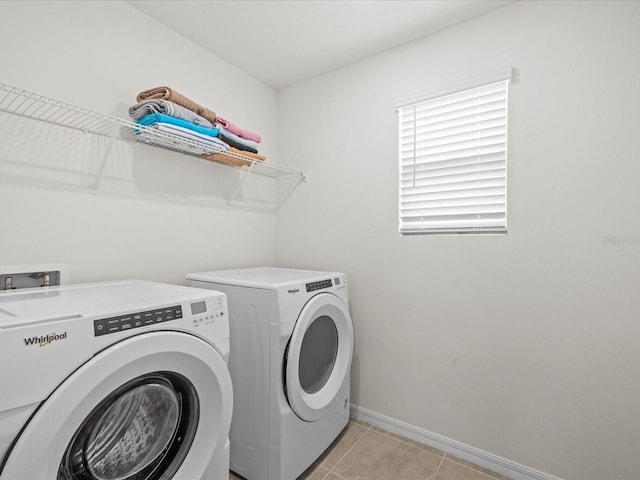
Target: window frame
x,y
471,222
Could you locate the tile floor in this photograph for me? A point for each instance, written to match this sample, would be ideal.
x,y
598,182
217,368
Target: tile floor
x,y
365,452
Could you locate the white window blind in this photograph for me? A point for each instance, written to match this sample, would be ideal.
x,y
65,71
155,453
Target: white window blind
x,y
453,161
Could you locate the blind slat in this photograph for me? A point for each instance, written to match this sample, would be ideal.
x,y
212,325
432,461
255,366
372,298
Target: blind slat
x,y
452,197
446,130
427,170
452,154
490,206
460,111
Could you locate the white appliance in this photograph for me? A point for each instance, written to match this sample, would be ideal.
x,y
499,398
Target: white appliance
x,y
114,380
291,350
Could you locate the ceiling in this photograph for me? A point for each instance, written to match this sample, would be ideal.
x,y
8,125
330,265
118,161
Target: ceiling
x,y
281,42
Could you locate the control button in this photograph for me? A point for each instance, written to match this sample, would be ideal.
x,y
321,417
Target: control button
x,y
99,327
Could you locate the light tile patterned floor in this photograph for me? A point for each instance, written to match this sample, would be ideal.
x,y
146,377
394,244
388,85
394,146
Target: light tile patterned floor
x,y
365,452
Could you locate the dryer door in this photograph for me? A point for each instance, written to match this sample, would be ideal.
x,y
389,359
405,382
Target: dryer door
x,y
318,356
153,406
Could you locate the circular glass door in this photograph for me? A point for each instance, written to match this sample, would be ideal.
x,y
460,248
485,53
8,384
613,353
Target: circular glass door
x,y
318,356
142,430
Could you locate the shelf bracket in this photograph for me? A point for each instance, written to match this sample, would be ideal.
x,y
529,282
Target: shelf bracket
x,y
239,186
105,157
289,189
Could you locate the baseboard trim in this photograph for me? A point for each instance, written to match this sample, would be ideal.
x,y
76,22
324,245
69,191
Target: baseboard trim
x,y
466,452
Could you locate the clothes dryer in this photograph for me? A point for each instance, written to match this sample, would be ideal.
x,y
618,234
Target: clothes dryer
x,y
114,380
291,350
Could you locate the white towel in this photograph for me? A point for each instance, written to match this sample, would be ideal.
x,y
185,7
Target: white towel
x,y
196,142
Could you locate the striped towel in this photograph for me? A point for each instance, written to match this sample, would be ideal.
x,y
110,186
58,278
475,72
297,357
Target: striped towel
x,y
157,105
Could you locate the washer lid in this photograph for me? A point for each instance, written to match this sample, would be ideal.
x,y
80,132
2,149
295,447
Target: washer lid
x,y
19,307
261,277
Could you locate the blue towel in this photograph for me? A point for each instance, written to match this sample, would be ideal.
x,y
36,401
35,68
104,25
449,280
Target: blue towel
x,y
162,118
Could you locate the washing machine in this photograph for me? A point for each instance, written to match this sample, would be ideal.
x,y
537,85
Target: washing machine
x,y
291,350
114,380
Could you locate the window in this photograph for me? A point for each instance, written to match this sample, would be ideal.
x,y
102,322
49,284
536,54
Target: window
x,y
453,159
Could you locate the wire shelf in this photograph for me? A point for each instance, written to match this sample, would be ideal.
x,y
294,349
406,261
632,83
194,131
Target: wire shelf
x,y
31,105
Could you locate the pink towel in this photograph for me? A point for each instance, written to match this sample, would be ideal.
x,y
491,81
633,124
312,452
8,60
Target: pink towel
x,y
239,131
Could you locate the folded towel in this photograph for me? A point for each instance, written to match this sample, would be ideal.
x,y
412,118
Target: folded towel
x,y
231,160
239,131
236,141
206,143
162,118
170,143
167,93
157,105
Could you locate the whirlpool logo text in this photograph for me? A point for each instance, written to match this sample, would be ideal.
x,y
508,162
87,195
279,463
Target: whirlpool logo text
x,y
45,339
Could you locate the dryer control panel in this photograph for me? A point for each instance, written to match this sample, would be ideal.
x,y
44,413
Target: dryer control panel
x,y
313,286
105,326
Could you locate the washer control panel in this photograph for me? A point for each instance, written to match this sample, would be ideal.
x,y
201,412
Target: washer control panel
x,y
206,312
105,326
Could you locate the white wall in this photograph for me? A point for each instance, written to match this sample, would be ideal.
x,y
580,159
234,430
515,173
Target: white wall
x,y
156,214
522,345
